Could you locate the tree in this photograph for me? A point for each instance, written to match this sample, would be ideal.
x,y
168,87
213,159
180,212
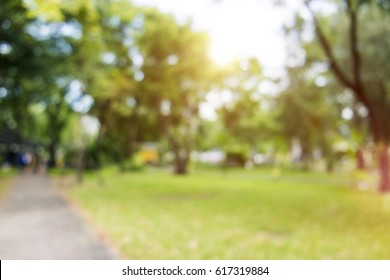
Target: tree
x,y
175,71
36,70
113,91
109,71
311,104
307,115
21,66
369,88
246,124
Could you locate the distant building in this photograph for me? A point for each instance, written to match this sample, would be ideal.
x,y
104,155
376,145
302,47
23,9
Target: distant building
x,y
149,153
215,156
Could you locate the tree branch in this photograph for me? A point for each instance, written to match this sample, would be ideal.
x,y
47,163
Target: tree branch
x,y
329,52
353,41
355,84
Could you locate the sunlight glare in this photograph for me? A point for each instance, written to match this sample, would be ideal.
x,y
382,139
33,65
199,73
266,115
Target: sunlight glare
x,y
241,31
238,29
221,54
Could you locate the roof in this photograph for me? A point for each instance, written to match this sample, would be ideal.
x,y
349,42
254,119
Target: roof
x,y
10,136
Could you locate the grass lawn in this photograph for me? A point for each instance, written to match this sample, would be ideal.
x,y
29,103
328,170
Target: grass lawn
x,y
5,179
238,215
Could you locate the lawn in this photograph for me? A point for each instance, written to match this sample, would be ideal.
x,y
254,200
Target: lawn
x,y
237,215
5,179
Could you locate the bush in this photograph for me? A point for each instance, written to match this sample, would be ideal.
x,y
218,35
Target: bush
x,y
135,163
235,159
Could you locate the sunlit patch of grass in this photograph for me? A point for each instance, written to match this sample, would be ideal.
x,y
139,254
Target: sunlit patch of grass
x,y
238,215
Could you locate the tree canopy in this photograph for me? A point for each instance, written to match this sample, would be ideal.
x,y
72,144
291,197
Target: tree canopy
x,y
143,77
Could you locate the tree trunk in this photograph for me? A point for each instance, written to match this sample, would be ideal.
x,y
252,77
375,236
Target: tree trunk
x,y
181,165
384,169
80,165
360,162
329,165
182,156
52,156
306,158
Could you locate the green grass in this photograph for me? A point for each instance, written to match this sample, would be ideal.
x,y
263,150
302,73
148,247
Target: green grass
x,y
5,178
238,215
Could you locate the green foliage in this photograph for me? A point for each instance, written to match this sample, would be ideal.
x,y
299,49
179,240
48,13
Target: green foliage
x,y
247,119
307,114
147,75
357,58
175,79
55,10
19,66
135,163
37,72
312,106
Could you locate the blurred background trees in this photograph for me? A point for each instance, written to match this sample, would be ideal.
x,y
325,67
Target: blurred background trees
x,y
351,59
95,79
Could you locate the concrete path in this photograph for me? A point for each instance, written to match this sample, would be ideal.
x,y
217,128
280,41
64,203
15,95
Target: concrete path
x,y
36,222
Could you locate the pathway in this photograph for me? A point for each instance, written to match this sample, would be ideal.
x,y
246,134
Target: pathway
x,y
36,222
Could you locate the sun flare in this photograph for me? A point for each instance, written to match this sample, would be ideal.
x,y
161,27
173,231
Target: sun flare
x,y
221,53
240,31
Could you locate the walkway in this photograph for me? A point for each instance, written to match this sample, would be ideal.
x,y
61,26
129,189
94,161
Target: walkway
x,y
36,222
